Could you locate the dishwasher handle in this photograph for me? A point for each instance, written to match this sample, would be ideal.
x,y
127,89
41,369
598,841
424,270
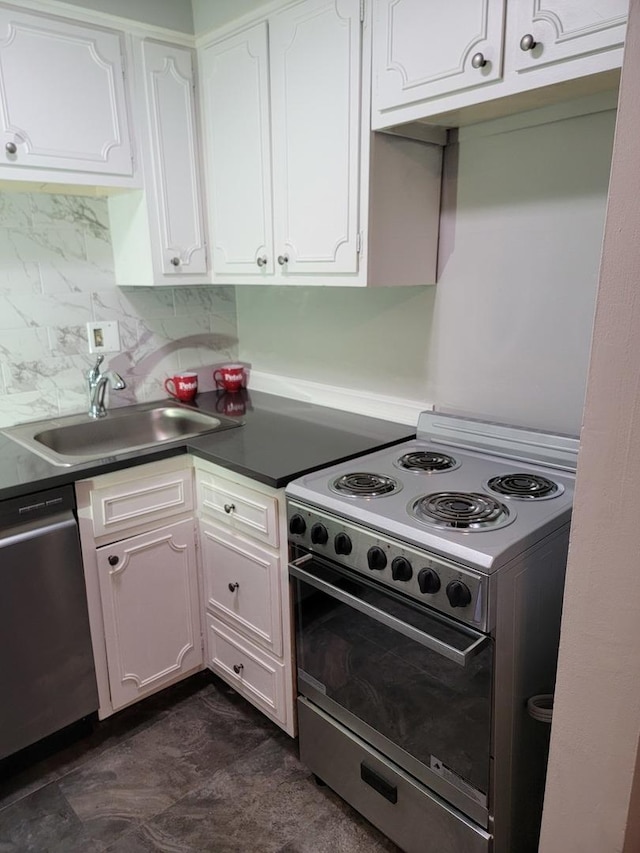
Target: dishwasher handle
x,y
36,507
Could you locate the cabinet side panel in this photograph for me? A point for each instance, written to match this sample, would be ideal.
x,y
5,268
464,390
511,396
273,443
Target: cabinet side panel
x,y
404,211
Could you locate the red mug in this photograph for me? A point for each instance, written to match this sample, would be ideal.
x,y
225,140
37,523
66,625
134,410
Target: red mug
x,y
183,386
231,377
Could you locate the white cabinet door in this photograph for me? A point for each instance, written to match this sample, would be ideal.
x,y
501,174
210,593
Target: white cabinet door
x,y
150,602
315,52
242,585
177,211
62,99
564,29
427,48
235,83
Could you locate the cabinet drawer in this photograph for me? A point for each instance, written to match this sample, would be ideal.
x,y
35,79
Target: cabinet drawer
x,y
126,505
242,584
239,507
249,670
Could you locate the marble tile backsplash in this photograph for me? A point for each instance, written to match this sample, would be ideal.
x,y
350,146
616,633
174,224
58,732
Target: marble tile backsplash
x,y
56,274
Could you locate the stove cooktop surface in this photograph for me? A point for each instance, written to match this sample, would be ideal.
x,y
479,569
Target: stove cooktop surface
x,y
477,507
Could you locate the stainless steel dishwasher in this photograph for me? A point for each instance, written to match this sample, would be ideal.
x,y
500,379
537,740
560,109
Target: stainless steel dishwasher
x,y
47,676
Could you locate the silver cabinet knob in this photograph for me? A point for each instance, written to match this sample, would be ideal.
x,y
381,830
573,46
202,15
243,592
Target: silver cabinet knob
x,y
262,261
229,508
478,60
237,668
527,42
283,259
233,586
11,148
175,262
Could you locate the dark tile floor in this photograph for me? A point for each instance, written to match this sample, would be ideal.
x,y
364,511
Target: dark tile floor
x,y
195,768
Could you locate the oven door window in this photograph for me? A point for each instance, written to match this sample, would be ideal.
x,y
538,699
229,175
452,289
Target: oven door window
x,y
399,671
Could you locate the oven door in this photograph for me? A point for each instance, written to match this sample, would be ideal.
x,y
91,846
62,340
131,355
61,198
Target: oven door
x,y
409,681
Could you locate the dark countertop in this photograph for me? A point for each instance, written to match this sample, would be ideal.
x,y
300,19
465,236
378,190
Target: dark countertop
x,y
279,439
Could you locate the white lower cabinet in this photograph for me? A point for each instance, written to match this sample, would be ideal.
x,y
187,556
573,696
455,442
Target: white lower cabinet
x,y
150,604
241,585
170,593
260,678
243,544
138,538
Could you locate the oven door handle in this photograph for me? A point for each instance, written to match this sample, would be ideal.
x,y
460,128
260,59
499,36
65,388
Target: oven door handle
x,y
459,656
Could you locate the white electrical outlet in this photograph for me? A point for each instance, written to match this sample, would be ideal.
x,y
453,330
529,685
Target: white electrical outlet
x,y
104,336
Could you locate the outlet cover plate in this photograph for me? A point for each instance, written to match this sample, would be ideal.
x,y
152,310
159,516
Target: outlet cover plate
x,y
104,336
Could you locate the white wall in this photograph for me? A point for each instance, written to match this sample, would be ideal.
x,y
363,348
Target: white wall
x,y
210,14
520,253
339,335
506,332
172,14
592,798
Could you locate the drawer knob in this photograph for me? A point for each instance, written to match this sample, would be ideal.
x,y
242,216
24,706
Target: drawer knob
x,y
478,60
237,668
229,508
113,560
175,262
11,148
527,42
283,259
233,586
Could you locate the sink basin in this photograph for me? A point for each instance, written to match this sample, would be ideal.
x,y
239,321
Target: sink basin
x,y
78,438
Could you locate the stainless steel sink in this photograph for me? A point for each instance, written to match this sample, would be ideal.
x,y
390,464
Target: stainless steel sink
x,y
77,438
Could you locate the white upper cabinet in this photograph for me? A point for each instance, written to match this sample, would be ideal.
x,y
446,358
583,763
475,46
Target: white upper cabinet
x,y
425,48
283,142
170,83
547,31
235,83
158,233
315,91
62,100
293,170
457,63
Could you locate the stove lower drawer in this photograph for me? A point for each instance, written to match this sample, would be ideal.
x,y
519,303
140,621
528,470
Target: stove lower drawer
x,y
417,820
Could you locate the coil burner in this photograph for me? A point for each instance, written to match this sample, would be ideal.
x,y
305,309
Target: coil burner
x,y
466,511
524,486
426,462
364,485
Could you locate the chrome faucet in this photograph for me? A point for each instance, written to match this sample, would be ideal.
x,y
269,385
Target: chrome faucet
x,y
98,386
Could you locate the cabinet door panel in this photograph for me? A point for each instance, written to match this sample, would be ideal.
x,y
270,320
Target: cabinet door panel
x,y
62,96
236,92
565,29
149,592
242,585
424,48
315,50
169,83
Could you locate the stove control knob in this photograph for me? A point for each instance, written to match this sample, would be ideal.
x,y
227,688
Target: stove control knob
x,y
458,594
319,534
428,581
297,525
376,558
342,544
401,569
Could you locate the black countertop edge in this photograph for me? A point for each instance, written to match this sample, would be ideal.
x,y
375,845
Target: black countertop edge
x,y
278,440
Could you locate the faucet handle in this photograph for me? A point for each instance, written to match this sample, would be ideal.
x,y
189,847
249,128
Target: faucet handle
x,y
94,371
